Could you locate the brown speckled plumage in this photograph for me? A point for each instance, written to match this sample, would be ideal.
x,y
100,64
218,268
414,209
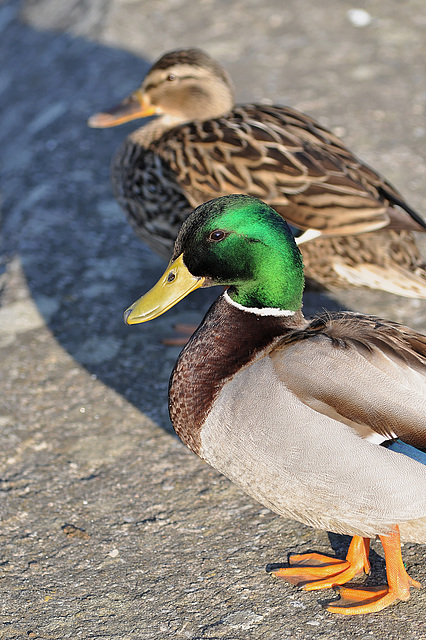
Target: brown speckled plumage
x,y
201,146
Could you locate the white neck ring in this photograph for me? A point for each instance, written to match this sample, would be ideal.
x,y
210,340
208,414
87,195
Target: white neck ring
x,y
264,311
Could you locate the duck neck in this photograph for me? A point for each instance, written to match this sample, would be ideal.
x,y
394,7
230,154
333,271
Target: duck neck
x,y
151,131
264,311
227,339
273,286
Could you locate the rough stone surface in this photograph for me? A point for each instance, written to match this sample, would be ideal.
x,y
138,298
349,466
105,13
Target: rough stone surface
x,y
110,527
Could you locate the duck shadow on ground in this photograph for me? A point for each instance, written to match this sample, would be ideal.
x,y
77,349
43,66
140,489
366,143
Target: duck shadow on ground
x,y
82,262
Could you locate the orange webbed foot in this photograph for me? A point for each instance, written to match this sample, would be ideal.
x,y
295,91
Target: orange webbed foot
x,y
356,601
314,571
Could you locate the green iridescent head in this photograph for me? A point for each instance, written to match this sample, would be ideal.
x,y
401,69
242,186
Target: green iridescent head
x,y
240,241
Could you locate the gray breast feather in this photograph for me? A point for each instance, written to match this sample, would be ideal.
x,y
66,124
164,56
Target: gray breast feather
x,y
307,465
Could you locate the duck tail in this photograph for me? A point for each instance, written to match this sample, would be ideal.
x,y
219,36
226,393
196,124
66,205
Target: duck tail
x,y
391,278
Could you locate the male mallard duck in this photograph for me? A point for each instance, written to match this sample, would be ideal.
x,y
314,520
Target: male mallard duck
x,y
294,411
357,227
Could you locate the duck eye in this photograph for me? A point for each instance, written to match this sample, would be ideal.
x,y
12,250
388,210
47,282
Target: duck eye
x,y
217,235
171,77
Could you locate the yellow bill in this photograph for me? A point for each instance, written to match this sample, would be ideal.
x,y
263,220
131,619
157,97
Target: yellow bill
x,y
175,283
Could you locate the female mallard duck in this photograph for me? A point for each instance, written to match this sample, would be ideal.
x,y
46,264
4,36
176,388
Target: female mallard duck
x,y
357,227
294,411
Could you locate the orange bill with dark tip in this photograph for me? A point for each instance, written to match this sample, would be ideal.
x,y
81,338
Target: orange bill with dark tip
x,y
135,106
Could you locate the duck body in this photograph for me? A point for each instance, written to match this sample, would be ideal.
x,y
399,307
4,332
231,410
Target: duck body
x,y
261,442
302,414
200,146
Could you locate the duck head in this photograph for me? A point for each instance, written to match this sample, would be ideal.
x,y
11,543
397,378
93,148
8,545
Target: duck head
x,y
182,86
237,241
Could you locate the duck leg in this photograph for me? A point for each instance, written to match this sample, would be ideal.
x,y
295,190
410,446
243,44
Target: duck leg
x,y
354,601
315,571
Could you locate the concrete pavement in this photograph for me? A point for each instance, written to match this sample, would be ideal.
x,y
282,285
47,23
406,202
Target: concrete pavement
x,y
110,527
